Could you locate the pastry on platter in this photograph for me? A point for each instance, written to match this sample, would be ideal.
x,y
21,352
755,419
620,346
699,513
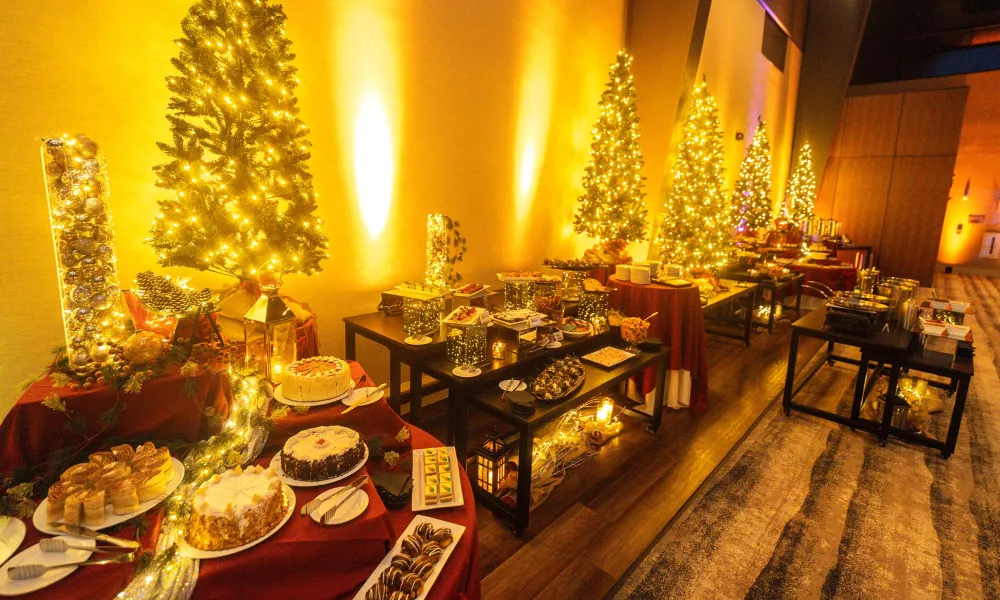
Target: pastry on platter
x,y
121,477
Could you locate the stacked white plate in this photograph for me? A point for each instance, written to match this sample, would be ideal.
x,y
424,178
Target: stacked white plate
x,y
640,274
622,272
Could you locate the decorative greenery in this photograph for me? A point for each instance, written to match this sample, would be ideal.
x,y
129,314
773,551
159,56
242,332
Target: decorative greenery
x,y
242,198
612,206
695,231
15,499
752,208
445,249
801,195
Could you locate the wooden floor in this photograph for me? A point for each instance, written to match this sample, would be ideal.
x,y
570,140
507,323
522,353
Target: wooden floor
x,y
608,511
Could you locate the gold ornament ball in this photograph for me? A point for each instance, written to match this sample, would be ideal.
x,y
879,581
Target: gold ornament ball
x,y
100,352
143,347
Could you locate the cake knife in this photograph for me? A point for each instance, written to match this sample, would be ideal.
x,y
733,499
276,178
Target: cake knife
x,y
312,505
90,533
329,514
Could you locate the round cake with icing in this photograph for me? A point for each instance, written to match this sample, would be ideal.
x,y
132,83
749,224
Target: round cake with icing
x,y
316,378
322,453
235,508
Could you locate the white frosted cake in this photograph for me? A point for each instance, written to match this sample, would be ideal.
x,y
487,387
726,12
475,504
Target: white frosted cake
x,y
235,508
321,453
316,378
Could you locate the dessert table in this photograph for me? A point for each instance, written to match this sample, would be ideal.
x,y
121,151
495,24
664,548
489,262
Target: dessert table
x,y
31,431
318,562
739,293
680,325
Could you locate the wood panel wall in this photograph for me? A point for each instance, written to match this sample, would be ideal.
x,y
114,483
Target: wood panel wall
x,y
890,172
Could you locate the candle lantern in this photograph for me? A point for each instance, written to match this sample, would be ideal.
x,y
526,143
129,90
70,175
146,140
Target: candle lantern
x,y
491,462
499,350
269,334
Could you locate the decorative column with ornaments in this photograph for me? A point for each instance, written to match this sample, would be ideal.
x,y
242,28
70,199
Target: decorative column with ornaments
x,y
79,200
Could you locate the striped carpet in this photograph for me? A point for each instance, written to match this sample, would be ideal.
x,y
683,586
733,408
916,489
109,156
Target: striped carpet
x,y
807,509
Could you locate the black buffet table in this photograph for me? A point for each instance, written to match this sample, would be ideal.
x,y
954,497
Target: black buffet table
x,y
484,393
894,350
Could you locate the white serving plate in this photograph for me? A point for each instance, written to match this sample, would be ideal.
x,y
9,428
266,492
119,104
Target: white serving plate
x,y
456,533
473,294
406,292
353,508
359,395
476,320
520,387
33,555
417,496
932,328
420,340
577,334
110,518
12,532
276,465
516,279
280,397
190,551
466,371
621,357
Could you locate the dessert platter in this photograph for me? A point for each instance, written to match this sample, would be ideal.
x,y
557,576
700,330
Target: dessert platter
x,y
466,315
573,264
315,381
519,319
411,567
319,456
560,379
519,276
674,282
938,328
435,485
576,328
471,290
33,555
608,357
110,488
419,290
236,510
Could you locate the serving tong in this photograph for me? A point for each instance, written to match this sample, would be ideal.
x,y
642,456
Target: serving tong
x,y
34,571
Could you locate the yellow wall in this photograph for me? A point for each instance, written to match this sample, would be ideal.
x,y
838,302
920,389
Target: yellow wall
x,y
978,162
489,107
745,85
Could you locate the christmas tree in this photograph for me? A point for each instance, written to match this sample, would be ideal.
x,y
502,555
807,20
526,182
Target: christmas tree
x,y
612,206
752,208
801,195
242,199
695,232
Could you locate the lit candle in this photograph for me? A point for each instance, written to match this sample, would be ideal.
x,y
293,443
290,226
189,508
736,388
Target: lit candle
x,y
604,412
499,350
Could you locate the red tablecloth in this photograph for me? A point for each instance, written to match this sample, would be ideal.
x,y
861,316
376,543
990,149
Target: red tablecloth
x,y
31,432
837,277
305,559
680,324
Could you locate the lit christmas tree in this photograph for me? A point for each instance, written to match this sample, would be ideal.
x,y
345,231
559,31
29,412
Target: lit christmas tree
x,y
242,199
695,232
612,206
801,195
752,208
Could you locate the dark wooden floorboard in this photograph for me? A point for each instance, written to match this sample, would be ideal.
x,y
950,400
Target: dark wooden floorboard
x,y
609,510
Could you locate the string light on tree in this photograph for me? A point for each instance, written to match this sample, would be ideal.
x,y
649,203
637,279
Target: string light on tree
x,y
801,198
242,199
752,207
612,206
695,231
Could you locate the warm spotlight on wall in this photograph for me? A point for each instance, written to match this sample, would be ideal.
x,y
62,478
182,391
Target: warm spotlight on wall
x,y
373,164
